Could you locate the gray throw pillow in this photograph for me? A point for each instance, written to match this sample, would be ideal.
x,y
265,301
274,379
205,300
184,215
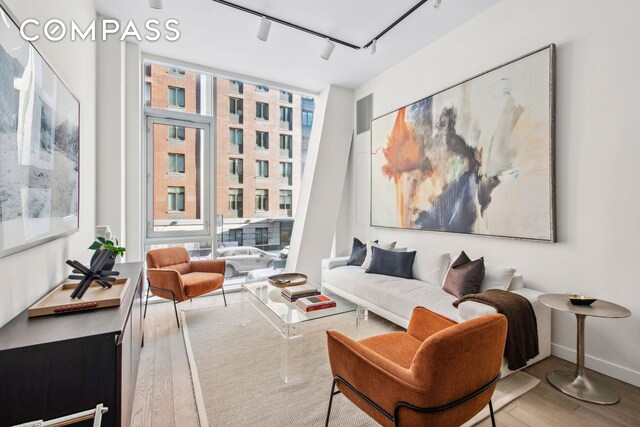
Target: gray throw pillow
x,y
390,263
358,252
464,276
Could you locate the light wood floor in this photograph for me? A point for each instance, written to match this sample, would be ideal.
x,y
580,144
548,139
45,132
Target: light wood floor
x,y
164,393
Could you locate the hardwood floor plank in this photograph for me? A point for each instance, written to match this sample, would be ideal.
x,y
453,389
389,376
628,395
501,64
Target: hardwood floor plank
x,y
503,419
143,398
163,412
529,417
184,404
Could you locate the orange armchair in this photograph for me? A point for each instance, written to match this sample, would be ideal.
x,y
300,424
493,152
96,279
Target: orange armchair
x,y
438,373
170,271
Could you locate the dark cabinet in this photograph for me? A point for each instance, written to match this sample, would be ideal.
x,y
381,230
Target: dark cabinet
x,y
53,366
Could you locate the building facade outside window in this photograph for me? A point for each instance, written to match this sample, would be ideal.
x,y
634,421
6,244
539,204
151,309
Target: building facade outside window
x,y
175,198
236,86
147,94
262,236
175,97
262,169
175,71
262,89
235,166
176,163
286,200
262,200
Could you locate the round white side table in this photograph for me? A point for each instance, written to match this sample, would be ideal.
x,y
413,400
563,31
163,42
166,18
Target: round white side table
x,y
578,384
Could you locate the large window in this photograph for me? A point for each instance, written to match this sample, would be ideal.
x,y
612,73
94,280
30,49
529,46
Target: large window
x,y
262,111
262,169
307,118
262,200
262,140
176,97
176,163
186,143
175,196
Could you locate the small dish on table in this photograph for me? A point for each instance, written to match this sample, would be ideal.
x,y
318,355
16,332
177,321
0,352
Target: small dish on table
x,y
288,279
580,299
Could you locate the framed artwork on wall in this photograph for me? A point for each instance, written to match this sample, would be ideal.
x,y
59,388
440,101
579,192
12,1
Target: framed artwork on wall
x,y
39,146
476,158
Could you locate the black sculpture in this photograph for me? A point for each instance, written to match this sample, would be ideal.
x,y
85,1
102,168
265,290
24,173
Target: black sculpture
x,y
88,275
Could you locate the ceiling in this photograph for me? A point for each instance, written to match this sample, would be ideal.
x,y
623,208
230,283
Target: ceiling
x,y
224,38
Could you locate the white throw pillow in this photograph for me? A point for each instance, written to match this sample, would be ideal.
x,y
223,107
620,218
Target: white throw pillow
x,y
430,267
516,283
496,277
387,246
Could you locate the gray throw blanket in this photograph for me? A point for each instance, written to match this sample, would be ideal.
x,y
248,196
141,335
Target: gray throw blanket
x,y
522,332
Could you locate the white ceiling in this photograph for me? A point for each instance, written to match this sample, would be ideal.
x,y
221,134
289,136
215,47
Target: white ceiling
x,y
221,37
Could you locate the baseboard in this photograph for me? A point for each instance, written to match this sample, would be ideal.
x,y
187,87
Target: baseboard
x,y
611,369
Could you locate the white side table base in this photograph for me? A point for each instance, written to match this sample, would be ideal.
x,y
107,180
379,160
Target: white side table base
x,y
582,387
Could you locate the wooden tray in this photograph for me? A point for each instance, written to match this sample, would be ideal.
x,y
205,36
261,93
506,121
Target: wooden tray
x,y
288,279
59,300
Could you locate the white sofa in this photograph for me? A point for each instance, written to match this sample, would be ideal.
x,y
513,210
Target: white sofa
x,y
395,298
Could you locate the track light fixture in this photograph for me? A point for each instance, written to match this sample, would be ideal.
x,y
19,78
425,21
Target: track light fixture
x,y
155,4
327,50
263,30
330,42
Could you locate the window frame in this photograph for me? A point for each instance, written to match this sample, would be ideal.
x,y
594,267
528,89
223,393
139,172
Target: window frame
x,y
177,193
155,116
236,166
177,156
239,199
236,131
177,90
264,233
262,168
307,118
262,107
262,206
262,143
288,193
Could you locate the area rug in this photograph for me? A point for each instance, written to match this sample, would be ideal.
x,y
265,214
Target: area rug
x,y
236,375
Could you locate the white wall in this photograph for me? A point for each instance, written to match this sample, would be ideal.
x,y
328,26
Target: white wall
x,y
323,181
598,88
28,275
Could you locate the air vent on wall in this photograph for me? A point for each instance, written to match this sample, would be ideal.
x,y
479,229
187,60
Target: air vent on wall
x,y
364,114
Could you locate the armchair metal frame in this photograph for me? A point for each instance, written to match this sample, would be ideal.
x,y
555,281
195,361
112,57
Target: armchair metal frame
x,y
395,418
173,297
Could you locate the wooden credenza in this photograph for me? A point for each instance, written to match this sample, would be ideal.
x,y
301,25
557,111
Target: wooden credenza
x,y
53,366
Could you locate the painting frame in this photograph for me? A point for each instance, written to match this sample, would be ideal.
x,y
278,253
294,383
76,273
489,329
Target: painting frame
x,y
43,226
552,225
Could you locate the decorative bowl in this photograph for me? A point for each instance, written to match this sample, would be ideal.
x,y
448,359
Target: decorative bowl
x,y
288,279
580,299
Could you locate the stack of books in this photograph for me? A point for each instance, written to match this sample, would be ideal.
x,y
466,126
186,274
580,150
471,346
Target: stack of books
x,y
293,293
317,302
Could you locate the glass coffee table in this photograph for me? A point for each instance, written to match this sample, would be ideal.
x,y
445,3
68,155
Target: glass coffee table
x,y
289,320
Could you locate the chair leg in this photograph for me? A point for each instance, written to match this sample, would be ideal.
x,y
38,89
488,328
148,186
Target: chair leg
x,y
333,393
146,302
224,296
493,419
175,308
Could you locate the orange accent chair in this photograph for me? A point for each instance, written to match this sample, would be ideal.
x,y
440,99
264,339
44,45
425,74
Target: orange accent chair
x,y
170,271
438,373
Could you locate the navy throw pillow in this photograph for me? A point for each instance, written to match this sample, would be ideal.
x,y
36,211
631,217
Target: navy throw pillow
x,y
390,263
358,252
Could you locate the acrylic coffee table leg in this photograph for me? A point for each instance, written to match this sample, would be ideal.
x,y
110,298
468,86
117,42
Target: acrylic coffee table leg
x,y
290,353
245,306
578,384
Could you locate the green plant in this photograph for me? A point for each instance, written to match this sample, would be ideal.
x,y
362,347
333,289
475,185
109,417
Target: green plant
x,y
108,245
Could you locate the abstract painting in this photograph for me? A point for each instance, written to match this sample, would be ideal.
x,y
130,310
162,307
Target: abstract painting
x,y
39,146
475,158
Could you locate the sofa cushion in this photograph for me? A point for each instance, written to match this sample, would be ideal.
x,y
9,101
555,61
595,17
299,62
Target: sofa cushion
x,y
496,277
390,263
430,267
358,252
464,277
388,246
196,284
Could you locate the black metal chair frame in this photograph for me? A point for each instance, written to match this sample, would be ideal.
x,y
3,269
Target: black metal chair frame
x,y
396,411
173,297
